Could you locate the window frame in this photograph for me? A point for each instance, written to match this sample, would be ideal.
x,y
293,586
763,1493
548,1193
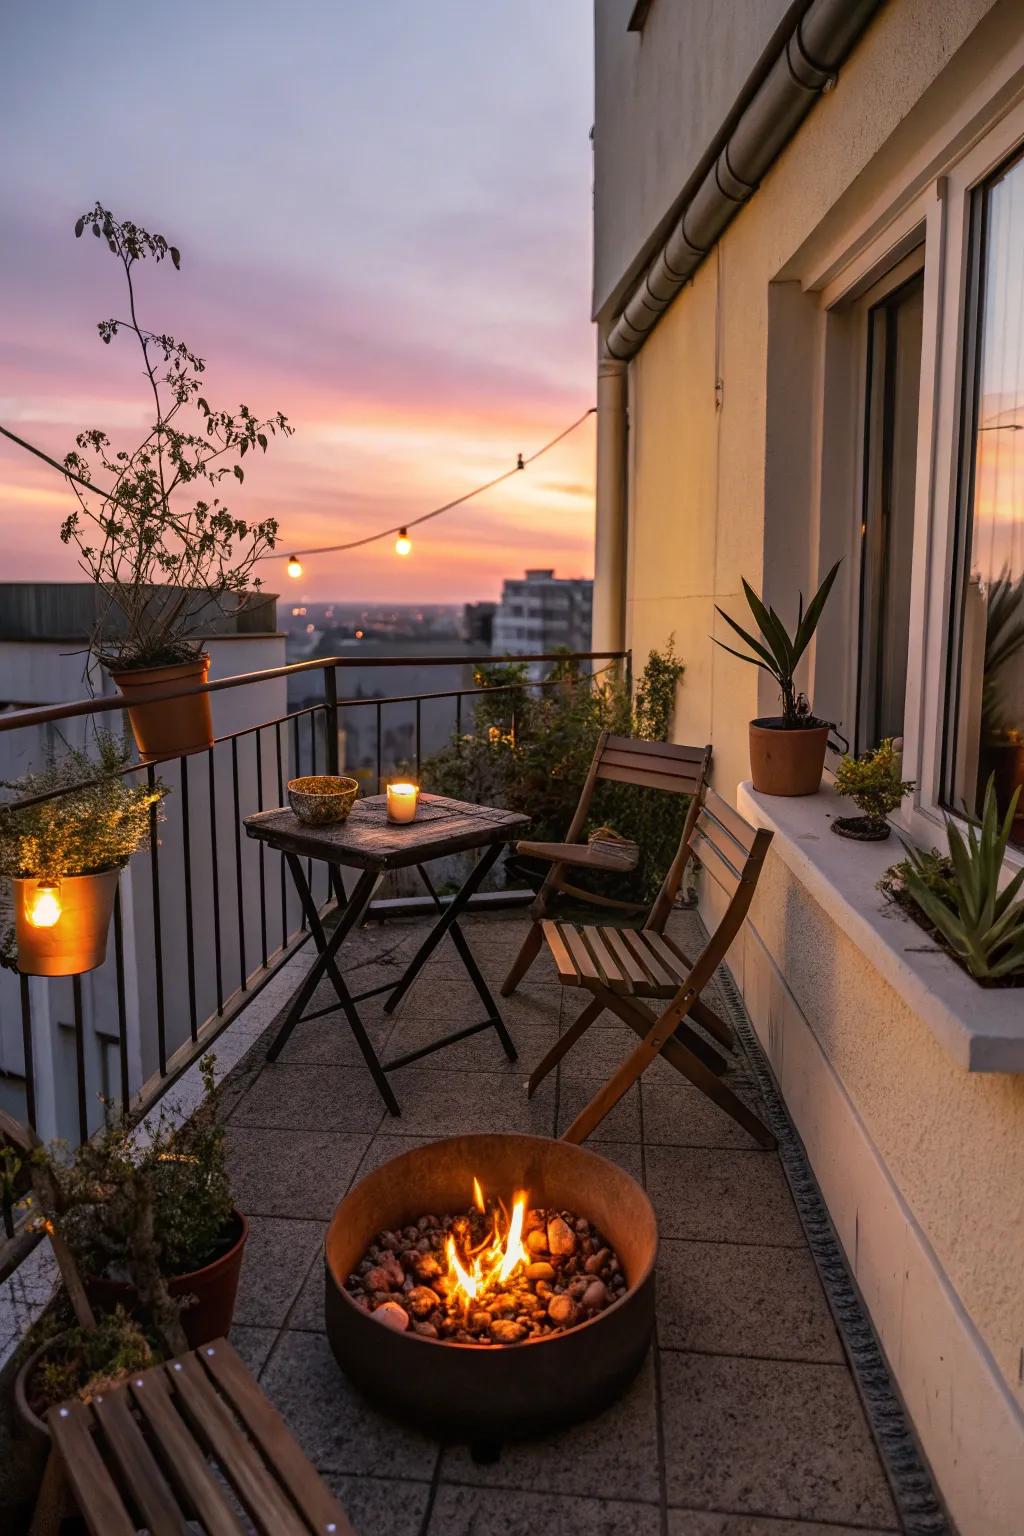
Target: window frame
x,y
933,210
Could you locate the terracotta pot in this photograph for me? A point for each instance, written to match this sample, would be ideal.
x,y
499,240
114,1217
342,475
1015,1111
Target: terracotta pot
x,y
77,941
170,727
35,1428
213,1288
786,762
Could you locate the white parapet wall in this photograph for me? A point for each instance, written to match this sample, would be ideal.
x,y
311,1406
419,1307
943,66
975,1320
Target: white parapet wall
x,y
920,1157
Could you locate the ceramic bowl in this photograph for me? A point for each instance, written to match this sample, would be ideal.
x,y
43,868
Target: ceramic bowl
x,y
322,798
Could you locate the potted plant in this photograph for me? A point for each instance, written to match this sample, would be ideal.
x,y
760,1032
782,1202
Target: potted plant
x,y
65,1359
958,897
163,559
151,1226
872,783
63,854
787,751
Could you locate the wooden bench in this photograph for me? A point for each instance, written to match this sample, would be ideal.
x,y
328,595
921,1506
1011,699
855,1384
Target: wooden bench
x,y
186,1445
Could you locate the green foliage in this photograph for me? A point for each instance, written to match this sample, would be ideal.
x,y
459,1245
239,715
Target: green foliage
x,y
122,1206
539,766
78,831
79,1362
871,783
1004,641
959,897
145,534
780,652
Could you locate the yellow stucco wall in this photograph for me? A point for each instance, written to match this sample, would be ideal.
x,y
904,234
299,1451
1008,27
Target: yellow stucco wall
x,y
700,481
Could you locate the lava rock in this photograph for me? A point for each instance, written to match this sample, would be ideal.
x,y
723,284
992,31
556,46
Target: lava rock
x,y
540,1271
505,1331
561,1239
595,1296
421,1301
392,1316
561,1309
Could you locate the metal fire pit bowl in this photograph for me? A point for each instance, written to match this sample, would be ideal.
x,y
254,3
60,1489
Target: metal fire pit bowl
x,y
488,1393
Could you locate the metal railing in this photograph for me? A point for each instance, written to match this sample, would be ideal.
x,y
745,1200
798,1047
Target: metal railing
x,y
205,917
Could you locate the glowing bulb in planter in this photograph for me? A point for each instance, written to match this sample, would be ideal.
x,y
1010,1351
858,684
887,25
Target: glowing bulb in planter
x,y
294,566
402,800
44,906
403,544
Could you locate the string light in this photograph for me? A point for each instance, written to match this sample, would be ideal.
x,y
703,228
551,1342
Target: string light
x,y
45,908
403,543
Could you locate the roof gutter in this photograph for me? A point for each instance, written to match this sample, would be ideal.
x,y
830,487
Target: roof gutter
x,y
804,68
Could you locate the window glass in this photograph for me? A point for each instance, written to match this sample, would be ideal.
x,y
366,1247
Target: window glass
x,y
890,465
987,739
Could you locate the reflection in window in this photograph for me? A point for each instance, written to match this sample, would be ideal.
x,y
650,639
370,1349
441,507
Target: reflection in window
x,y
988,739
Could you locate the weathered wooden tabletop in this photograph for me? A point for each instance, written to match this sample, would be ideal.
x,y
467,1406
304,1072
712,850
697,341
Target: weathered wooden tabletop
x,y
367,840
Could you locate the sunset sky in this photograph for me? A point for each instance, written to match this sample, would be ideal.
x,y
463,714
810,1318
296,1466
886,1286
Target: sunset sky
x,y
384,217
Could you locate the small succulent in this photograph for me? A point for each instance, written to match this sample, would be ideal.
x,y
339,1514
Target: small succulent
x,y
982,925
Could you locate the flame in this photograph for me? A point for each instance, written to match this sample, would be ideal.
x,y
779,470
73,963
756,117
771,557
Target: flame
x,y
493,1261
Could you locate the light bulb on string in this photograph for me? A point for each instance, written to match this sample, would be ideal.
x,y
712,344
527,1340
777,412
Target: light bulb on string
x,y
44,907
294,567
403,544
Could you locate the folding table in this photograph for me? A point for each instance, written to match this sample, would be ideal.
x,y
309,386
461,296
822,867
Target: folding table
x,y
367,841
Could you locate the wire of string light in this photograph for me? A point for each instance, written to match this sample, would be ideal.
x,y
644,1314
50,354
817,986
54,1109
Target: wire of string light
x,y
404,544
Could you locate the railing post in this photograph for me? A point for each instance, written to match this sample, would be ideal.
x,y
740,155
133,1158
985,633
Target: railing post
x,y
331,717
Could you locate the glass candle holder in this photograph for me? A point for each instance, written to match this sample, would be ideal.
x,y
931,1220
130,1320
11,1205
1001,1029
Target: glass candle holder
x,y
402,800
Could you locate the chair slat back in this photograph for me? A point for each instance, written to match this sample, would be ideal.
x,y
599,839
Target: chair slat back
x,y
669,890
653,764
721,852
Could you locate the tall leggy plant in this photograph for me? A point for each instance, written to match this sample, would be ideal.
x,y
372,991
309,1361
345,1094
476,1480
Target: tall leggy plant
x,y
160,552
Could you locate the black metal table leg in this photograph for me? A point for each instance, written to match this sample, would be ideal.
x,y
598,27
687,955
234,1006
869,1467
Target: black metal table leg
x,y
325,963
468,959
448,917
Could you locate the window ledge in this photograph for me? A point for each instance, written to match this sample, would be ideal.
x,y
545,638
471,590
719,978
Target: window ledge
x,y
981,1028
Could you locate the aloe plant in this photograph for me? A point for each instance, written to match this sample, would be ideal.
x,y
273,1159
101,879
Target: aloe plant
x,y
781,652
981,924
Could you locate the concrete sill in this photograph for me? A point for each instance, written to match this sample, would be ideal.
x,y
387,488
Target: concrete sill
x,y
981,1028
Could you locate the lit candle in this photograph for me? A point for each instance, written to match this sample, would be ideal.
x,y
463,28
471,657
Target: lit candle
x,y
402,800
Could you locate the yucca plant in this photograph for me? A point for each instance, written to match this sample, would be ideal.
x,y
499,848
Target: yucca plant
x,y
780,652
982,925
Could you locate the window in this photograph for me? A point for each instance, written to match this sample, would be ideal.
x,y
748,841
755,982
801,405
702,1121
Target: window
x,y
894,330
985,736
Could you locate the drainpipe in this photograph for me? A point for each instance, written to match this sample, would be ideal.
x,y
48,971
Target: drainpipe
x,y
609,614
802,71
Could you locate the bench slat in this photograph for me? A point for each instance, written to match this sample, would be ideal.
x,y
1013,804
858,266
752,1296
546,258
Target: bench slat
x,y
185,1463
605,960
647,778
585,964
274,1439
139,1471
95,1494
261,1496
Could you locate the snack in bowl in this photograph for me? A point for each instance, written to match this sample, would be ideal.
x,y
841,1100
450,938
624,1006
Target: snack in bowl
x,y
322,798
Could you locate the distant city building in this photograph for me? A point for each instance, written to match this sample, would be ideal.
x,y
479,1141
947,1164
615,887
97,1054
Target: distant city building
x,y
478,623
542,612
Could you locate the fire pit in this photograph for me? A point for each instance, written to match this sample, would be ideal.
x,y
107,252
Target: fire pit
x,y
487,1391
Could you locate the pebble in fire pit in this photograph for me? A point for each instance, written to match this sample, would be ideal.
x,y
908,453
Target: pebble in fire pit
x,y
485,1277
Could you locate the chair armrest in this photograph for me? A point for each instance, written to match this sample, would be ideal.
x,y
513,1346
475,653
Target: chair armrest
x,y
578,855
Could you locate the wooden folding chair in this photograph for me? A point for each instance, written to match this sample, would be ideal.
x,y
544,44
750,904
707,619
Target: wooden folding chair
x,y
678,770
621,967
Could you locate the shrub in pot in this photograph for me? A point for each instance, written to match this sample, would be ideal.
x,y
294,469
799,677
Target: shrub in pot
x,y
872,783
63,1359
164,559
62,856
787,751
152,1227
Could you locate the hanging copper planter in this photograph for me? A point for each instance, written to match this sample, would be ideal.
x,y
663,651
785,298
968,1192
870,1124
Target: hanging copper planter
x,y
61,929
167,727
